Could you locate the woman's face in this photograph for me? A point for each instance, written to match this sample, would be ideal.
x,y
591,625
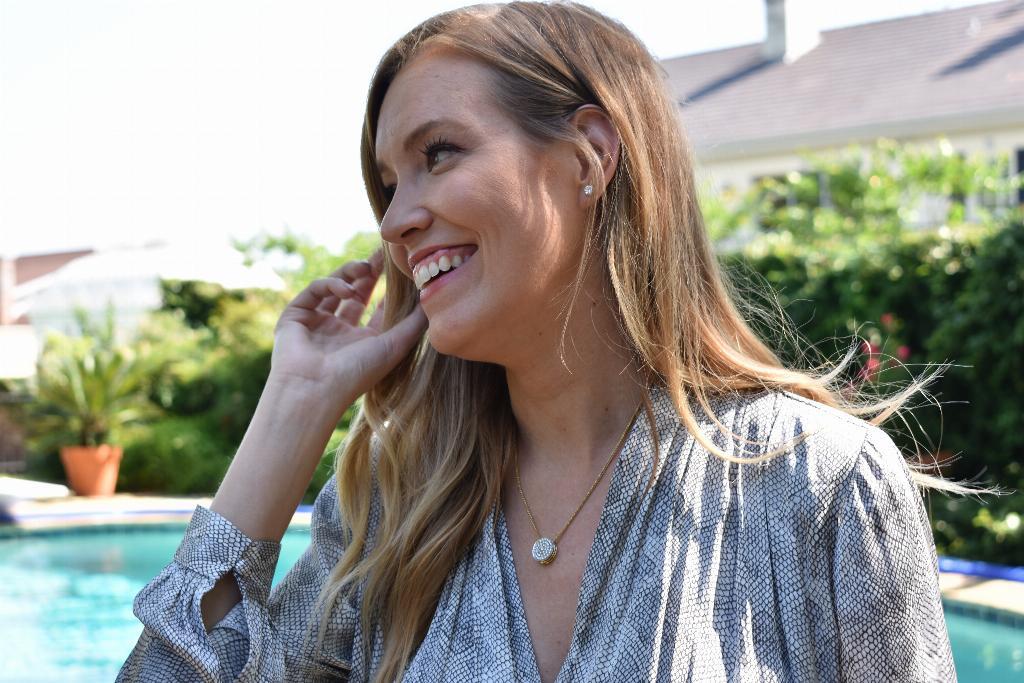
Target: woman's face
x,y
465,177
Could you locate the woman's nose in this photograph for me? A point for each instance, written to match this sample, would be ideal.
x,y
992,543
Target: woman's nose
x,y
404,217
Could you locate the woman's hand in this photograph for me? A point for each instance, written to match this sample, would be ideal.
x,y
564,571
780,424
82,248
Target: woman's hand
x,y
318,339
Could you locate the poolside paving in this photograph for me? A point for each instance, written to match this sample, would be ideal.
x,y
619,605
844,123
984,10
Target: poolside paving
x,y
120,508
124,508
996,594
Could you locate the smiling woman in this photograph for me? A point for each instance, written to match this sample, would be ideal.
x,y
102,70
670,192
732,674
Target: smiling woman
x,y
472,176
539,223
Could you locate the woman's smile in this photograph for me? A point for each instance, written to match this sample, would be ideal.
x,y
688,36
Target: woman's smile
x,y
443,273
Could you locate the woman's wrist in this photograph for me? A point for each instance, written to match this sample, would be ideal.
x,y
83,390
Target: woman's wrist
x,y
275,462
309,393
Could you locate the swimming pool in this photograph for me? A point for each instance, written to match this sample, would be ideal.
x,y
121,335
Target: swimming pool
x,y
66,605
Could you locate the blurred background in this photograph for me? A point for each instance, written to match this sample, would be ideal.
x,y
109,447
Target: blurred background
x,y
173,172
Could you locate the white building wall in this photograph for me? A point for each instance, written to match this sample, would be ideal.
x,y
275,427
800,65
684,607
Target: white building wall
x,y
739,173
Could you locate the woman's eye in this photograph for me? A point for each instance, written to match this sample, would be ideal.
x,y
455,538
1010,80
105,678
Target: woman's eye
x,y
437,151
437,155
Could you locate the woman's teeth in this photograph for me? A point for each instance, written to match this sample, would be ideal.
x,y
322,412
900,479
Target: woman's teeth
x,y
425,271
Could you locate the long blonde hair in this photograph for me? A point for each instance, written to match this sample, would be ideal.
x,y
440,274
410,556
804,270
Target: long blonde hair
x,y
441,427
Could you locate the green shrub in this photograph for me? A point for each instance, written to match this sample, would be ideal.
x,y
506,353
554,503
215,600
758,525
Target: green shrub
x,y
198,301
88,388
925,297
177,455
982,328
839,242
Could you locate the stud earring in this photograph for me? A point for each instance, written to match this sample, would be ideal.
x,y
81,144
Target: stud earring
x,y
588,190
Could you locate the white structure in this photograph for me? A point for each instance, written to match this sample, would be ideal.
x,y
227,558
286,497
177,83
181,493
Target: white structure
x,y
19,348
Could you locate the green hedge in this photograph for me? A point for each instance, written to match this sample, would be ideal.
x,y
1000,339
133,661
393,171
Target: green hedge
x,y
186,455
953,295
176,455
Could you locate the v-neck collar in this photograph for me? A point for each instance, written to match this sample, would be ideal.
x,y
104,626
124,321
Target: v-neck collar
x,y
625,492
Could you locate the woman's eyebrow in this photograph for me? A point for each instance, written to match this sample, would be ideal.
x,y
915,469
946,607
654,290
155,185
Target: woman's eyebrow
x,y
418,132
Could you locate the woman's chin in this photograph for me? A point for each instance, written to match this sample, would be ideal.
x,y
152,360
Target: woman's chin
x,y
444,341
448,342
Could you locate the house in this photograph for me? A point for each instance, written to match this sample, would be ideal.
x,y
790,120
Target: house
x,y
750,111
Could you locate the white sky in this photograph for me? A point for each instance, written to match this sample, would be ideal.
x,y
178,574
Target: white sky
x,y
129,121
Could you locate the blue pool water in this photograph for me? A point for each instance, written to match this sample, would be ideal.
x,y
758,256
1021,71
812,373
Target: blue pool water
x,y
66,600
66,606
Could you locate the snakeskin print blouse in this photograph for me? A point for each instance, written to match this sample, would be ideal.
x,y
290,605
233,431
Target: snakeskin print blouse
x,y
816,566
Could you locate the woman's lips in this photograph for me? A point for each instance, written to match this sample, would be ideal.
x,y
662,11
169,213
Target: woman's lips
x,y
440,261
444,281
434,253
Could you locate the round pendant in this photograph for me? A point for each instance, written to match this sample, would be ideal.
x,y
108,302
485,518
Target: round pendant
x,y
544,550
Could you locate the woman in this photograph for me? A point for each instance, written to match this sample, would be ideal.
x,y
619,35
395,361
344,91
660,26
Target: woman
x,y
502,511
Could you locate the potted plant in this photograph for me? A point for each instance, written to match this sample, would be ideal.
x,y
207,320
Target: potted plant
x,y
87,389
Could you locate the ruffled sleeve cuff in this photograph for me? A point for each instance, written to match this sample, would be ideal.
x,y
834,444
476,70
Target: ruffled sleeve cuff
x,y
175,640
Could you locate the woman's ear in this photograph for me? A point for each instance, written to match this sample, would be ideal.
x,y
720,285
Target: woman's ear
x,y
599,131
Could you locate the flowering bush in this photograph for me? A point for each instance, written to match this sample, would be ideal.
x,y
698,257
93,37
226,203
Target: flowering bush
x,y
926,297
881,352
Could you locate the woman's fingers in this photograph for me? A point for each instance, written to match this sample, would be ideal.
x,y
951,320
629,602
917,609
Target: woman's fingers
x,y
367,273
329,305
367,279
322,288
403,336
353,270
349,286
352,310
376,321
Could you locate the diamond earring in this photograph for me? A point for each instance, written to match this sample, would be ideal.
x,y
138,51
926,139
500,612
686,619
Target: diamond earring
x,y
588,190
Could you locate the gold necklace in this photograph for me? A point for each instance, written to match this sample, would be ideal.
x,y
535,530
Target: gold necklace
x,y
545,549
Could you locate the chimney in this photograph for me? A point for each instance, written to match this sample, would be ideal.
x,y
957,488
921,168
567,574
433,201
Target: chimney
x,y
7,273
792,29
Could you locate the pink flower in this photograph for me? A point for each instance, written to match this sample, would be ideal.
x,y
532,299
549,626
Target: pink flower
x,y
887,319
903,352
874,366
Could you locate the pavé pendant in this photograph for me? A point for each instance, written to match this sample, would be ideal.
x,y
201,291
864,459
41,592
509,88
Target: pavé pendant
x,y
544,550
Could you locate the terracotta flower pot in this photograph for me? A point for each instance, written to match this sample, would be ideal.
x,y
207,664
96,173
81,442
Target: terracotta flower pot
x,y
91,470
